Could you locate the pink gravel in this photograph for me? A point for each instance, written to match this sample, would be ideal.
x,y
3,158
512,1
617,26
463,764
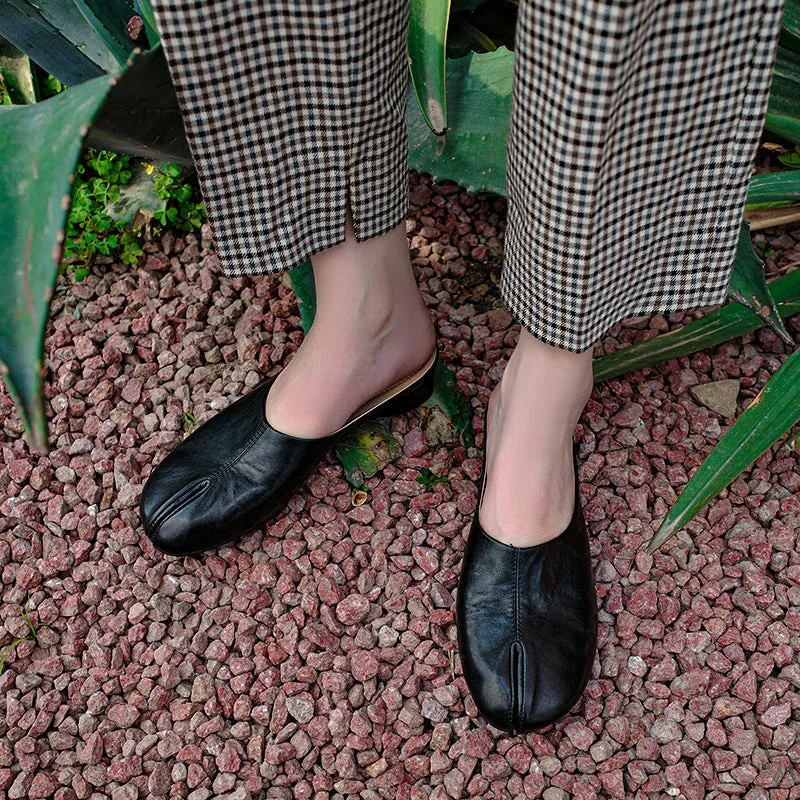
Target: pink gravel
x,y
318,659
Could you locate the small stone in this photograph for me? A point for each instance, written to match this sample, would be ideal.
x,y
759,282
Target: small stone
x,y
363,665
776,715
427,558
628,416
743,742
43,786
601,751
300,707
132,391
580,735
643,601
352,610
719,396
665,730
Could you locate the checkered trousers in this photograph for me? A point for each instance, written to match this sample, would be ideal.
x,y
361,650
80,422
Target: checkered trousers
x,y
633,131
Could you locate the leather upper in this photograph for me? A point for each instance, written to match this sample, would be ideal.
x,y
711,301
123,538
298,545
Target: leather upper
x,y
527,624
226,478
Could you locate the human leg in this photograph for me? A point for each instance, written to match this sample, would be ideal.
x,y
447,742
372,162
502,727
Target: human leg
x,y
620,204
295,115
634,128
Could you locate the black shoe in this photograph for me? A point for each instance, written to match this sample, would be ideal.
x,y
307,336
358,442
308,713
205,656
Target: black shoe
x,y
526,619
235,472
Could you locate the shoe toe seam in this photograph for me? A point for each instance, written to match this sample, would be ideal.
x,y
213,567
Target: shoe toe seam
x,y
176,502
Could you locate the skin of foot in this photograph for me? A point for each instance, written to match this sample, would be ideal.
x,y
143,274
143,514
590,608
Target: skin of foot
x,y
530,423
371,329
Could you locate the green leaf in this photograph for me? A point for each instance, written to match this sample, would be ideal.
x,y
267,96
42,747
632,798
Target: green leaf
x,y
447,396
774,186
39,147
58,37
775,409
369,447
142,116
748,284
145,10
472,152
790,26
109,19
783,106
302,279
427,39
719,326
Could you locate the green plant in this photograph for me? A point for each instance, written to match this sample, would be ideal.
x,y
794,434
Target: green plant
x,y
179,209
769,416
429,480
30,636
93,227
90,229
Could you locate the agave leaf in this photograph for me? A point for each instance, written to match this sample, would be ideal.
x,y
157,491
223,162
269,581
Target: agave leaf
x,y
302,279
39,147
58,37
145,10
369,447
109,18
719,326
748,284
782,117
473,150
790,25
775,409
774,186
427,38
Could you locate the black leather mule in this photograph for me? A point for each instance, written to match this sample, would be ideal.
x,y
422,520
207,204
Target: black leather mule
x,y
235,472
526,619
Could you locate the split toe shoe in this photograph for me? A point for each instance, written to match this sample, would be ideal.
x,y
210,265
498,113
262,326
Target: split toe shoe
x,y
526,620
235,472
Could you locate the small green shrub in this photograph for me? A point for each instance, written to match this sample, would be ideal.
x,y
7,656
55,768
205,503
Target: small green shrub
x,y
179,210
101,178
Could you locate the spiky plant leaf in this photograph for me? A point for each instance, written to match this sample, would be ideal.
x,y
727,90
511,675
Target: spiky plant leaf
x,y
39,147
58,37
427,42
783,107
722,325
769,187
748,284
473,150
109,19
145,10
775,409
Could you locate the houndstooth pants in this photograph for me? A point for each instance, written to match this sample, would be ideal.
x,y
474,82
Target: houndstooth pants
x,y
634,127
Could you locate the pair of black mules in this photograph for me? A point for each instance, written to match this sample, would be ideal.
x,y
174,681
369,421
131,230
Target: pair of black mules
x,y
526,617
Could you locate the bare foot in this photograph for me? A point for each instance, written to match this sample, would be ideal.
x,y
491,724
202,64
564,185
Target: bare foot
x,y
530,423
371,329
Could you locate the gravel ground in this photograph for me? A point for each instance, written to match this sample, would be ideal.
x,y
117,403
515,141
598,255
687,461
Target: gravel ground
x,y
318,659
